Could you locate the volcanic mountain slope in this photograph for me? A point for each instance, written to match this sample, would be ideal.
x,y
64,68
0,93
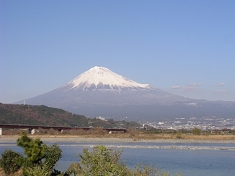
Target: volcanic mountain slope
x,y
100,86
99,91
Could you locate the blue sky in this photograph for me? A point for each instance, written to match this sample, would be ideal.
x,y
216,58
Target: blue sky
x,y
180,46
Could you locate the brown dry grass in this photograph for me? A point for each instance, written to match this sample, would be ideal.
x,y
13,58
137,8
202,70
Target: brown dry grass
x,y
174,136
133,135
137,137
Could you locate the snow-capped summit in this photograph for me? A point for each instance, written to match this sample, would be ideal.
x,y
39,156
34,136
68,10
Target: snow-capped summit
x,y
103,78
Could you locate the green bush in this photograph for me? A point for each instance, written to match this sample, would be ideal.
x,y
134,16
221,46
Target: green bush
x,y
179,135
196,131
106,162
9,161
39,158
101,162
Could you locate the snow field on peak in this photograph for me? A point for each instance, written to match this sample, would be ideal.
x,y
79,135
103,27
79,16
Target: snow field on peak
x,y
97,75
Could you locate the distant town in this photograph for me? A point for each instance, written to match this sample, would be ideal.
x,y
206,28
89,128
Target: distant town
x,y
204,123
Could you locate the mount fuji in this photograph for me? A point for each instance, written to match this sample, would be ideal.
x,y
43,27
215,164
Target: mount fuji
x,y
101,92
98,78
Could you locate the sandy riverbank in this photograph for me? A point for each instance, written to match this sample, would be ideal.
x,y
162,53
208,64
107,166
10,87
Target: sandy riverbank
x,y
71,138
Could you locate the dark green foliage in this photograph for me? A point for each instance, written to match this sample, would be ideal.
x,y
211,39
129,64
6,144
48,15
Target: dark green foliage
x,y
40,158
9,161
43,115
38,115
34,149
75,169
52,155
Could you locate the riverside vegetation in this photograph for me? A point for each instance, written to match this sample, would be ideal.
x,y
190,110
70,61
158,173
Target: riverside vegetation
x,y
40,159
135,134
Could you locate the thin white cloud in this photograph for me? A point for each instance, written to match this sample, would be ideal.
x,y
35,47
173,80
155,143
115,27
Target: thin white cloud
x,y
176,87
223,91
189,87
195,84
220,84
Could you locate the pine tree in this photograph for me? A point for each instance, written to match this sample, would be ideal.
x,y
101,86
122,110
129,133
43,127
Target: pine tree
x,y
39,156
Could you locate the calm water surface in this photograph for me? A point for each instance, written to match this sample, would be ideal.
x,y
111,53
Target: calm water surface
x,y
188,162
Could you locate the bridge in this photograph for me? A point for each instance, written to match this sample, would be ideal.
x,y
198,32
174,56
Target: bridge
x,y
59,128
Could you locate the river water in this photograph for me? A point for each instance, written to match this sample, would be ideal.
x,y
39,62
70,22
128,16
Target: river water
x,y
191,159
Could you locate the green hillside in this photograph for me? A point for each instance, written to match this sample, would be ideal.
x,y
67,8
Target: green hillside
x,y
43,115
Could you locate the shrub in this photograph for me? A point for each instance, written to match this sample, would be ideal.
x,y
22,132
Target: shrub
x,y
196,131
40,158
75,169
179,135
9,161
34,149
106,162
101,162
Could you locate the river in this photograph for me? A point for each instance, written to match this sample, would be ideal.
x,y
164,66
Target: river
x,y
191,159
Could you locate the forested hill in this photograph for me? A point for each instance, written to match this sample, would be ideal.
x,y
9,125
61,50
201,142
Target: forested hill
x,y
43,115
